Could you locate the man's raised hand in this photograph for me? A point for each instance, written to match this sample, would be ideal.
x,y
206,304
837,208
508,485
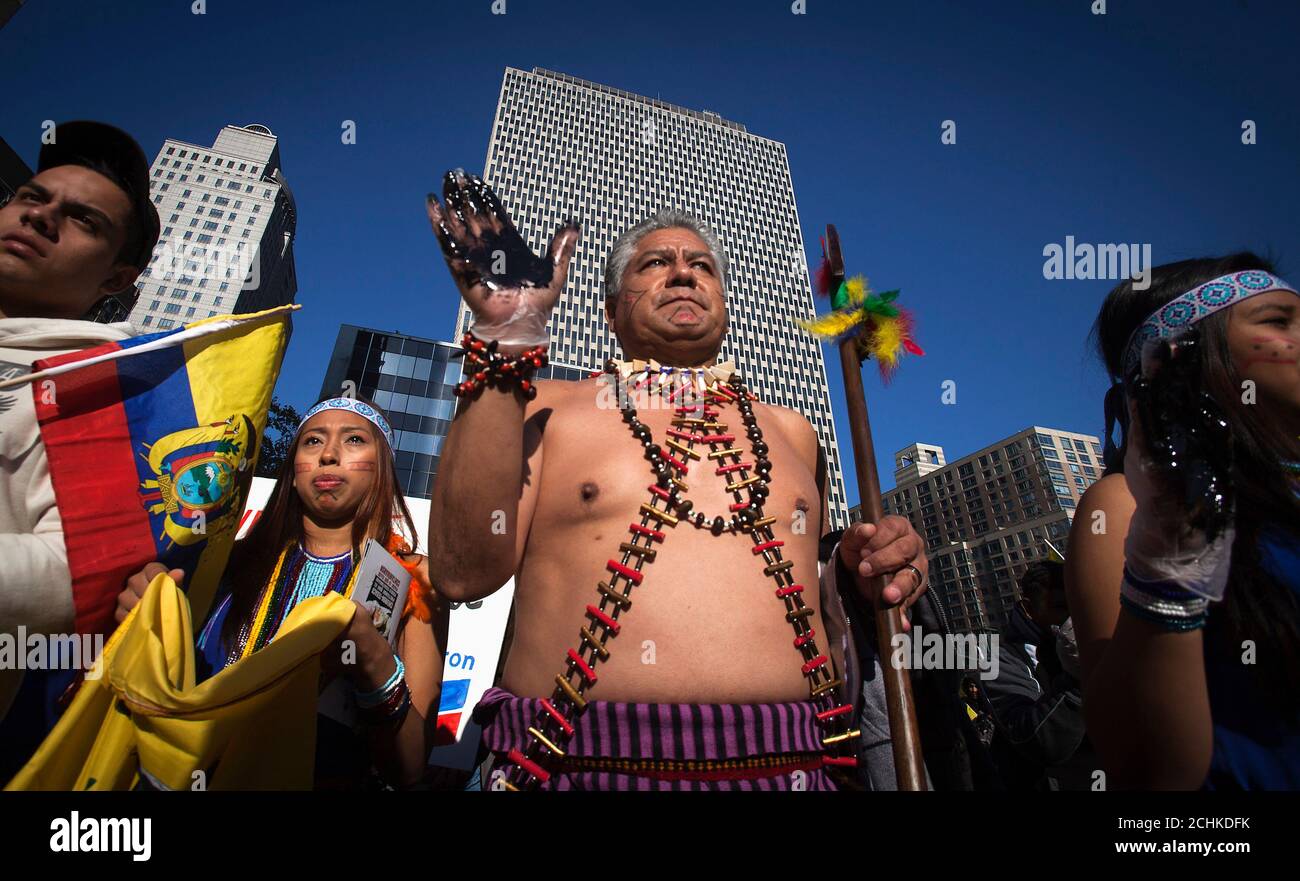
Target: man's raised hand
x,y
510,290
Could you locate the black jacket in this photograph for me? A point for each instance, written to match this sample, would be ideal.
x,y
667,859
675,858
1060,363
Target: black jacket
x,y
1038,708
955,759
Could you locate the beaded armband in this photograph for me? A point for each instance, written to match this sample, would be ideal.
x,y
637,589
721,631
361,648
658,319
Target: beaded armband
x,y
1163,603
484,365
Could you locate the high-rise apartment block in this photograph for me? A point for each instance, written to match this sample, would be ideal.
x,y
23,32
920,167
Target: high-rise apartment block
x,y
565,148
228,225
986,516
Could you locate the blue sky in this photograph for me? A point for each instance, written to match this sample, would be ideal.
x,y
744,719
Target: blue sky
x,y
1124,127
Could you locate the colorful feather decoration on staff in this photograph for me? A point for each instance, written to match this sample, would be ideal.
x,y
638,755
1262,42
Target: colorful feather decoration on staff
x,y
883,331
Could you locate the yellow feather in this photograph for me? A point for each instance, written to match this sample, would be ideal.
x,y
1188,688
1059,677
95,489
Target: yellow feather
x,y
887,340
832,324
856,288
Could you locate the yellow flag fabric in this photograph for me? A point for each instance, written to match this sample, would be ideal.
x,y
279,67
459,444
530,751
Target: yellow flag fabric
x,y
251,726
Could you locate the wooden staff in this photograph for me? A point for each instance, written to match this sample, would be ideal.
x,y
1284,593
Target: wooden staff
x,y
908,764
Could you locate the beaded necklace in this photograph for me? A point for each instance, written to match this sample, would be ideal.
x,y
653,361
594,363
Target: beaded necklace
x,y
695,423
298,575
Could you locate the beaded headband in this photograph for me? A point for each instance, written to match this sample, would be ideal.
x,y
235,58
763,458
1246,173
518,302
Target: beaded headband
x,y
1186,309
361,408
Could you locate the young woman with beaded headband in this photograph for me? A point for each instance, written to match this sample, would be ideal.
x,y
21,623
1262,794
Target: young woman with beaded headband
x,y
1184,567
337,489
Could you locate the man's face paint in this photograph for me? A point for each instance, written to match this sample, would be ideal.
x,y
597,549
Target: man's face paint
x,y
672,306
334,464
1264,342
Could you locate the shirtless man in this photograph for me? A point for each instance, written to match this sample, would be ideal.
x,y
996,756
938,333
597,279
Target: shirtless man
x,y
564,475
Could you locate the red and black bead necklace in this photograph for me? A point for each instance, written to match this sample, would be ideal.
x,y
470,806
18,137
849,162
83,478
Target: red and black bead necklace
x,y
694,423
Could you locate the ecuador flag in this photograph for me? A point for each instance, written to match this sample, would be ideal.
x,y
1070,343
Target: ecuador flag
x,y
152,442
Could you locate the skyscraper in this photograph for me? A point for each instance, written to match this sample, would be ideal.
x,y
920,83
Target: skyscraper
x,y
563,147
411,379
13,172
986,516
228,224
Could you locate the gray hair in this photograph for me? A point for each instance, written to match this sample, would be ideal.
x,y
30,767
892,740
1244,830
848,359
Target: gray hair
x,y
668,218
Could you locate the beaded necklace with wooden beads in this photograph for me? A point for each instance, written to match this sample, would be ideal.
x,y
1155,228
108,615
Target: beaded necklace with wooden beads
x,y
694,423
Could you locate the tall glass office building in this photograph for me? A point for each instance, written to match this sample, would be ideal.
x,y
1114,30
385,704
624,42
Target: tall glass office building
x,y
563,147
412,380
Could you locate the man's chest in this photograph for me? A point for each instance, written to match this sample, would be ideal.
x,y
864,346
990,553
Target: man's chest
x,y
595,468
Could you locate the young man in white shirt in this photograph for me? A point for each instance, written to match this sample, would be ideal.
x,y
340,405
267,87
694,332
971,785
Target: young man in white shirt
x,y
72,241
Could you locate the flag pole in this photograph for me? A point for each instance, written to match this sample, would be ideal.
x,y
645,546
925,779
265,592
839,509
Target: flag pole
x,y
906,740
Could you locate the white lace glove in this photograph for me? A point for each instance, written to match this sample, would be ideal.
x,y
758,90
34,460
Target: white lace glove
x,y
524,323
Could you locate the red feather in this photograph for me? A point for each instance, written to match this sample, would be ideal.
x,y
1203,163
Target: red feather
x,y
822,279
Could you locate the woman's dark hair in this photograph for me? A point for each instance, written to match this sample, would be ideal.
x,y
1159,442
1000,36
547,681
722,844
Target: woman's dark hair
x,y
1257,606
253,559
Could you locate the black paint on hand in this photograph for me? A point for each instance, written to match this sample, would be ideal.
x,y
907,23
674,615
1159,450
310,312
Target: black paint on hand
x,y
482,244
